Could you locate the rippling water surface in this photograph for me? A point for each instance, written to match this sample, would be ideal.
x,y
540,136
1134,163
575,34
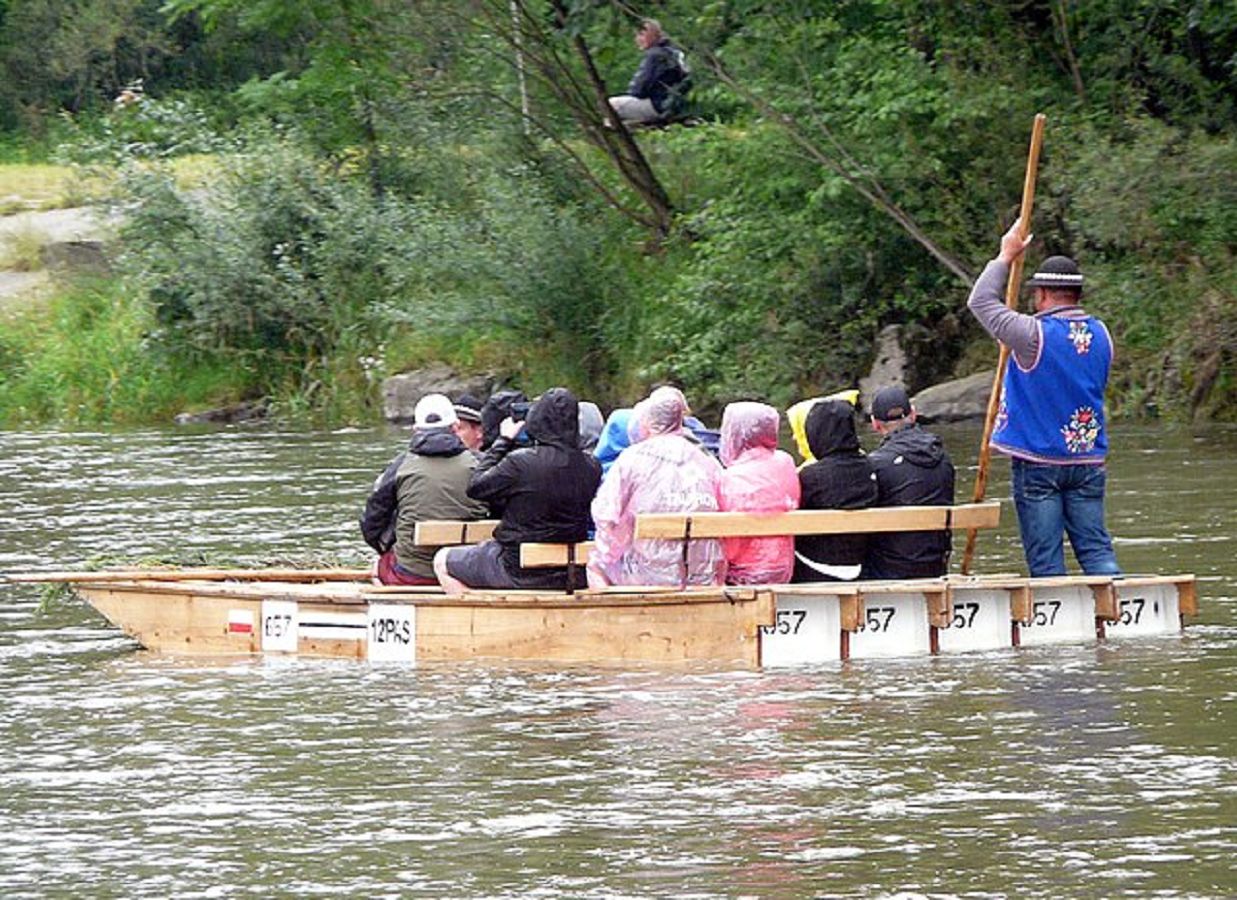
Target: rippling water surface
x,y
1088,771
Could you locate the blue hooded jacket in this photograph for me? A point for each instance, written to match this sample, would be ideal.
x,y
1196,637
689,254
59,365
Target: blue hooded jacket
x,y
614,439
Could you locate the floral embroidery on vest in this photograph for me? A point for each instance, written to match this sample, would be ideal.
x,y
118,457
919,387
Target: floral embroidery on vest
x,y
1082,430
1080,335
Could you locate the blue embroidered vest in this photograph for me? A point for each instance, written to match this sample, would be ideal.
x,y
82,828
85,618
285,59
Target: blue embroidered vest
x,y
1054,411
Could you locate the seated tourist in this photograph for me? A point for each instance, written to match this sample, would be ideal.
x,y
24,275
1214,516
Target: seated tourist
x,y
657,88
499,406
662,472
796,417
615,438
469,427
543,489
912,469
428,481
591,423
840,477
708,439
758,478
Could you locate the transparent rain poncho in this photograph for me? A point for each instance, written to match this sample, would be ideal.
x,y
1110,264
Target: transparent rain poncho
x,y
759,478
663,472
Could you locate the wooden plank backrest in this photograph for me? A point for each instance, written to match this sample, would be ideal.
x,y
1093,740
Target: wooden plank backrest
x,y
447,532
677,526
542,556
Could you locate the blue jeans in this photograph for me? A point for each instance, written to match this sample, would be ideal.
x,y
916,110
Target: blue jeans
x,y
1053,501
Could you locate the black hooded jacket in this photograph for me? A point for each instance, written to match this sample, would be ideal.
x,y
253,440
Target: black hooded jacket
x,y
841,478
912,469
544,491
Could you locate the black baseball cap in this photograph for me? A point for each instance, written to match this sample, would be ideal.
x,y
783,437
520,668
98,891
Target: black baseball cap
x,y
891,403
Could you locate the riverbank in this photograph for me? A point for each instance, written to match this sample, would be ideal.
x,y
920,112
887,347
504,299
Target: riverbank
x,y
265,277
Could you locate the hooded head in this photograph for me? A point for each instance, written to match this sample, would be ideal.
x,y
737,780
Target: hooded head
x,y
746,425
554,420
797,417
661,412
830,429
591,422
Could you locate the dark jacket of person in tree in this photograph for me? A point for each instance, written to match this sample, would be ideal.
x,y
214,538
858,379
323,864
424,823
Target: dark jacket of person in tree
x,y
660,74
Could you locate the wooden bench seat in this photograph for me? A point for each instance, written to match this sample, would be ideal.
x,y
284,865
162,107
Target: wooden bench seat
x,y
689,526
451,532
544,556
685,526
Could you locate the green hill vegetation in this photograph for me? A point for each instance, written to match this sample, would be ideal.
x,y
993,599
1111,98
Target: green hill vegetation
x,y
316,195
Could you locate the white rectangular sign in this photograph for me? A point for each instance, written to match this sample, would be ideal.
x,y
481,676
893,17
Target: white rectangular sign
x,y
805,630
1060,615
979,621
392,632
279,626
1145,609
893,625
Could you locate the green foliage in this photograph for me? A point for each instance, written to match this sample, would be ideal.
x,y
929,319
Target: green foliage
x,y
1155,209
374,203
148,129
303,273
84,359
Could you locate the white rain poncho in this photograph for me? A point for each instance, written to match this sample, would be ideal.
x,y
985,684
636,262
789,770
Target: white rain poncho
x,y
663,472
759,478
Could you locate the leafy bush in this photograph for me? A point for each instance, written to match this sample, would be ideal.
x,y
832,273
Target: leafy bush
x,y
1151,212
295,269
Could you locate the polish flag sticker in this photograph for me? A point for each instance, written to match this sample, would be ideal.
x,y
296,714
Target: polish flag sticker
x,y
240,621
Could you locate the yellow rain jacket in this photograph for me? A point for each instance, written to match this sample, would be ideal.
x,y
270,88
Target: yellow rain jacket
x,y
797,417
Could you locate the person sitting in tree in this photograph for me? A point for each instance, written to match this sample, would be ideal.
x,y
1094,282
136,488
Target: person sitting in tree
x,y
660,82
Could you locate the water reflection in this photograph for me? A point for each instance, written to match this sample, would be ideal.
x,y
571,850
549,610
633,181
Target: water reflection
x,y
1048,772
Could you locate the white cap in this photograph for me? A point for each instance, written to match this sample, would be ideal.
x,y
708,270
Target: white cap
x,y
434,411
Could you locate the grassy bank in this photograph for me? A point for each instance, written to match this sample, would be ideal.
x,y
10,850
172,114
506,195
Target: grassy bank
x,y
81,358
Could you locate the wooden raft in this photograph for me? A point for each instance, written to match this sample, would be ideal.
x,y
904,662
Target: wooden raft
x,y
771,626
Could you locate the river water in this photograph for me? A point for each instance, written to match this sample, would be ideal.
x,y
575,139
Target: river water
x,y
1067,771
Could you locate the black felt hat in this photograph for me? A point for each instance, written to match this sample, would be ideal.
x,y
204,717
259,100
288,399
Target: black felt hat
x,y
1057,272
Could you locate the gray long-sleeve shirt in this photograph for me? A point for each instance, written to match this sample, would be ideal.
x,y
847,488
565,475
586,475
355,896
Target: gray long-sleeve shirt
x,y
1017,331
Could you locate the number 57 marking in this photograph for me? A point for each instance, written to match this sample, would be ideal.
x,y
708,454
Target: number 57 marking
x,y
786,622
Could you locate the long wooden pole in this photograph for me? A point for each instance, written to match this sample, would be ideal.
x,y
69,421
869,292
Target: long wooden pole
x,y
1011,300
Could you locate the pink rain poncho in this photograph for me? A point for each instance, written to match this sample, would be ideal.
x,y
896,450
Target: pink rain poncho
x,y
662,472
759,478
